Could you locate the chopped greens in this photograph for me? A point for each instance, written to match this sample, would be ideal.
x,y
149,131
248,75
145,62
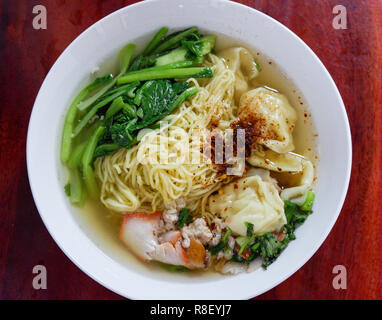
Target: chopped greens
x,y
222,244
184,217
269,246
67,189
249,228
308,204
226,235
244,243
258,67
173,268
255,247
296,215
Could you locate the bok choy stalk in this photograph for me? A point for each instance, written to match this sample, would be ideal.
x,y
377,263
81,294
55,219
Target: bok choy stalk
x,y
181,73
181,46
87,158
66,144
124,60
85,120
75,188
189,51
174,40
78,103
155,41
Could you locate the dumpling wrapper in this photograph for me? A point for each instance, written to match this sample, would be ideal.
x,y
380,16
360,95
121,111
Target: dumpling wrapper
x,y
253,199
280,162
273,114
298,193
243,64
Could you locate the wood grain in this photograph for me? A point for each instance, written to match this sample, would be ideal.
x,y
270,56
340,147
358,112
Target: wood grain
x,y
352,56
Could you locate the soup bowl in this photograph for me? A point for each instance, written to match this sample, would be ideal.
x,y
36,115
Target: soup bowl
x,y
97,46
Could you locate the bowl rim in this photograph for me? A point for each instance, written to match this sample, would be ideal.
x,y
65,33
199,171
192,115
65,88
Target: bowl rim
x,y
303,260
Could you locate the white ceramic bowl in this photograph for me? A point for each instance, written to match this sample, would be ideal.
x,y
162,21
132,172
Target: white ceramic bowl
x,y
139,21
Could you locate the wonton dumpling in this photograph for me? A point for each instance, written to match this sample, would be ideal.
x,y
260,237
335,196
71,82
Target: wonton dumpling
x,y
242,63
252,199
298,194
280,162
274,115
262,173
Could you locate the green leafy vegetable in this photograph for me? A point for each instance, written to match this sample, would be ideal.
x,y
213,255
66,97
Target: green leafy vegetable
x,y
153,101
157,96
268,245
87,157
289,210
226,235
255,247
175,104
249,228
125,56
66,145
173,65
270,248
124,60
76,156
308,204
121,132
67,189
173,268
177,55
77,195
118,105
244,242
295,216
175,39
222,244
237,258
156,40
200,47
194,46
105,149
108,114
184,218
177,73
258,67
88,116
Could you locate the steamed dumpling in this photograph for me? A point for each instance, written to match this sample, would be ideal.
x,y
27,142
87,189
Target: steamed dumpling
x,y
273,117
298,193
242,63
252,199
280,162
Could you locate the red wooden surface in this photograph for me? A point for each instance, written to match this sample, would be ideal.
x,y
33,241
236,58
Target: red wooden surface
x,y
352,56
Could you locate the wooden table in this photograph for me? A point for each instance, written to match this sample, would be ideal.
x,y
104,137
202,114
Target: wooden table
x,y
352,56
